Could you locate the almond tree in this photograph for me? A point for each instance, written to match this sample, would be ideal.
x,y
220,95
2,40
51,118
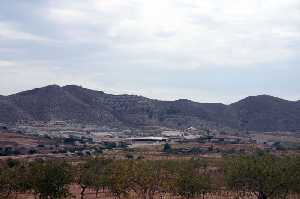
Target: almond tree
x,y
118,178
14,179
264,175
92,174
51,179
147,178
192,179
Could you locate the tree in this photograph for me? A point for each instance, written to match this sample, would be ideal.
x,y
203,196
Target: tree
x,y
264,175
93,174
292,177
192,179
7,184
51,179
167,148
14,178
119,176
147,178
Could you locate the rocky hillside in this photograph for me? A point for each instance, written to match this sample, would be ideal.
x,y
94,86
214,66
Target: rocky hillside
x,y
76,104
267,113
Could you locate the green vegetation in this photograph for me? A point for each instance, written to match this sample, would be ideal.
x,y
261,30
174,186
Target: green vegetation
x,y
45,179
264,175
193,179
261,175
50,179
167,148
92,174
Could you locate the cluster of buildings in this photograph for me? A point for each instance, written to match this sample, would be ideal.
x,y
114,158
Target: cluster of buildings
x,y
90,138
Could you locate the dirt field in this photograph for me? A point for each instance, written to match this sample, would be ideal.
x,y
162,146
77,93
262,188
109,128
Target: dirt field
x,y
15,139
90,194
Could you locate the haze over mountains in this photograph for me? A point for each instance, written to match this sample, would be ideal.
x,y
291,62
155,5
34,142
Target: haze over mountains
x,y
76,104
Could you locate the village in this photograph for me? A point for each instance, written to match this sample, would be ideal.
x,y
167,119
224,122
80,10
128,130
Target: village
x,y
60,138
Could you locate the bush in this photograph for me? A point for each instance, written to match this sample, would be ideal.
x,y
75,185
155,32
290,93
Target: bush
x,y
167,148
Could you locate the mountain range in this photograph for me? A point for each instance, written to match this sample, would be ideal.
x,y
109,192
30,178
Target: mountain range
x,y
77,104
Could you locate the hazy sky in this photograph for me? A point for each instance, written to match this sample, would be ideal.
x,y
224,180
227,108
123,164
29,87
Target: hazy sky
x,y
204,50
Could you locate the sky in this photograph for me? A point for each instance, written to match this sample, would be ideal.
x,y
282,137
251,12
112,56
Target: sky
x,y
206,51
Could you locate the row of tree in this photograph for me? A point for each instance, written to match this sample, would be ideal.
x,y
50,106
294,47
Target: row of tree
x,y
144,177
264,176
44,179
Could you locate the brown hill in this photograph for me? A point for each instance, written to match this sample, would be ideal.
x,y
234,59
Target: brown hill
x,y
76,104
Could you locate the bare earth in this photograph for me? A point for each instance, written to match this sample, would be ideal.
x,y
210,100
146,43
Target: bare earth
x,y
90,194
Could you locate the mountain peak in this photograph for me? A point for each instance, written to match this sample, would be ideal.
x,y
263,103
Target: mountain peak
x,y
76,88
81,105
72,86
260,98
46,89
183,101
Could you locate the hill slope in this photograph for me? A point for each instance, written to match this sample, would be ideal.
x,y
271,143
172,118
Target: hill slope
x,y
267,113
77,104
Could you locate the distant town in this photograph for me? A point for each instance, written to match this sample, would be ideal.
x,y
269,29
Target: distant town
x,y
62,139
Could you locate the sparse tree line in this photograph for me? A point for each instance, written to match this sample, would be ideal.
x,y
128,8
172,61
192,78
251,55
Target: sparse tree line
x,y
262,176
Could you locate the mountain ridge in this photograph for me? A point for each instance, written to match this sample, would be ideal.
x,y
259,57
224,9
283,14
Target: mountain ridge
x,y
77,104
